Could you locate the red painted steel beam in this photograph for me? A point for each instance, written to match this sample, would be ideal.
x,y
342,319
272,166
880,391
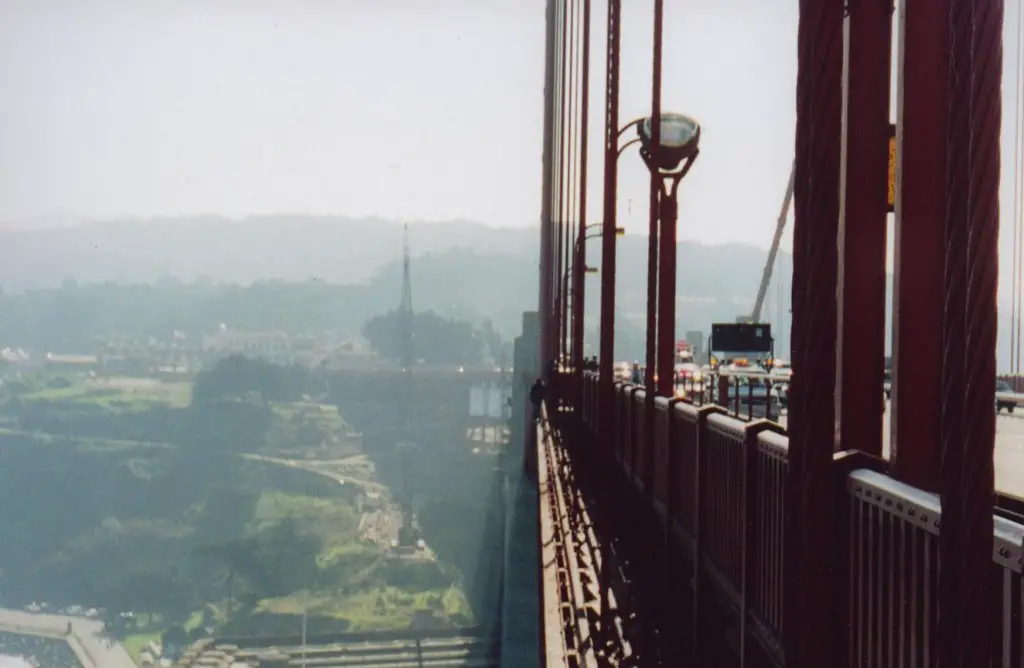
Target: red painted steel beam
x,y
862,230
968,490
812,588
919,248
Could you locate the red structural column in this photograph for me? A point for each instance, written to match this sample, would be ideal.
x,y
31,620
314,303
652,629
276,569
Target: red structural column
x,y
918,271
862,232
811,587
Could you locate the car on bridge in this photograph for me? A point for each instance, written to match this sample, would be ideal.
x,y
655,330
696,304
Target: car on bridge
x,y
1006,397
781,371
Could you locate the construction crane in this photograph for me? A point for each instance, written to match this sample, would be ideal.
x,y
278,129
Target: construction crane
x,y
766,275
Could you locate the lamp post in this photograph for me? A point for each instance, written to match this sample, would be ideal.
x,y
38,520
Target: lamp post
x,y
678,139
611,231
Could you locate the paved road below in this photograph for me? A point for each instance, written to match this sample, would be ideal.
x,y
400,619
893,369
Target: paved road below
x,y
86,635
1009,451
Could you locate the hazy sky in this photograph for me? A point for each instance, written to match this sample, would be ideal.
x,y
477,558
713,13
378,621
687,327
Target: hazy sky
x,y
422,109
415,109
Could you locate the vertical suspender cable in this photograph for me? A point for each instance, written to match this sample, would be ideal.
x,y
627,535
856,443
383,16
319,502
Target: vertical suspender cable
x,y
556,171
560,206
1016,263
570,173
652,229
579,295
1018,220
546,211
578,139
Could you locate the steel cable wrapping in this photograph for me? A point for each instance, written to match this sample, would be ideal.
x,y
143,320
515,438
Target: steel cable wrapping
x,y
819,120
978,604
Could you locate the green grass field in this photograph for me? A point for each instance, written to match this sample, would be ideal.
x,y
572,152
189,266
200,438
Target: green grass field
x,y
128,394
371,610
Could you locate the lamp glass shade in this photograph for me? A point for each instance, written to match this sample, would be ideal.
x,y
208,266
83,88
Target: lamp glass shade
x,y
679,138
677,131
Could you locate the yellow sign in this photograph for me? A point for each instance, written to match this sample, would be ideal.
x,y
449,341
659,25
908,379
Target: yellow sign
x,y
892,168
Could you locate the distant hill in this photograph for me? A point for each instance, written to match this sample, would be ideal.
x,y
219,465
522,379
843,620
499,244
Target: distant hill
x,y
236,251
460,268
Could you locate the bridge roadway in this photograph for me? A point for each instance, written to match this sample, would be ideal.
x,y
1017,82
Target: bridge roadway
x,y
1009,457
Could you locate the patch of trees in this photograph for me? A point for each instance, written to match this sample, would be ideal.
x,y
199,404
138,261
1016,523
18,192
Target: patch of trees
x,y
417,575
272,563
219,427
435,340
238,377
73,317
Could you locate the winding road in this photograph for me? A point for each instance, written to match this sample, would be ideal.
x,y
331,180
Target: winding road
x,y
87,640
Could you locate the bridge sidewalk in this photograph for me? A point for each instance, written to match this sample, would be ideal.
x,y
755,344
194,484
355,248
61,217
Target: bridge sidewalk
x,y
520,635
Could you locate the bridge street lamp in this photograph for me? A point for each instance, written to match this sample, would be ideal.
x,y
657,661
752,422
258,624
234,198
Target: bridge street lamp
x,y
613,151
678,147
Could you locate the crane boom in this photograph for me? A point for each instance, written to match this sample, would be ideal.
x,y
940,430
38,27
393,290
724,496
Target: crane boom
x,y
780,226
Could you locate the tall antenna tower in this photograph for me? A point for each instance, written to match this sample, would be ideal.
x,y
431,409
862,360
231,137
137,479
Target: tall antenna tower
x,y
407,393
405,307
